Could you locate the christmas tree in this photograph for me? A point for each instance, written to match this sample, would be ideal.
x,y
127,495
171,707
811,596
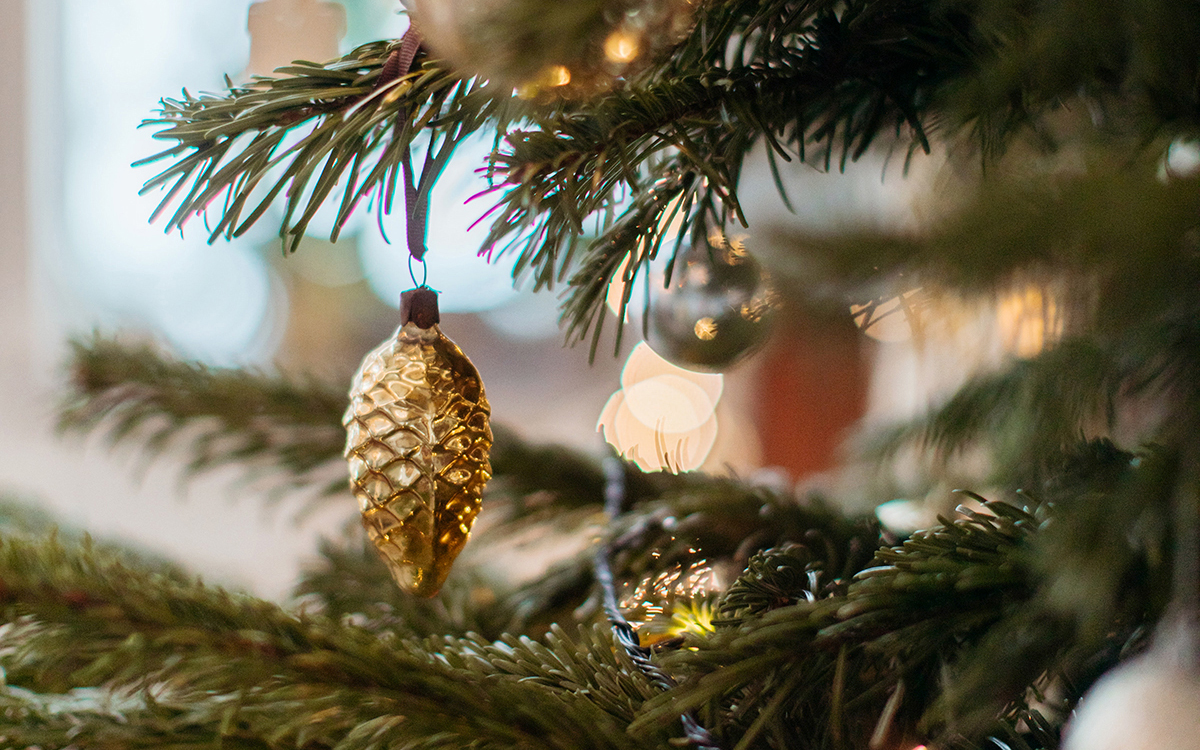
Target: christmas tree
x,y
1056,607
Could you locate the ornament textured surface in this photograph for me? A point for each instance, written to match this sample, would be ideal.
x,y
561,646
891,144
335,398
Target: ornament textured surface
x,y
417,442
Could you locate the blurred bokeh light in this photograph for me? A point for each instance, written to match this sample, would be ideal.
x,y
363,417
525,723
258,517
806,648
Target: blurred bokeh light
x,y
663,417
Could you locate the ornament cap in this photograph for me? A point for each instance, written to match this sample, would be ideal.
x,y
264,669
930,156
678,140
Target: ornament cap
x,y
419,306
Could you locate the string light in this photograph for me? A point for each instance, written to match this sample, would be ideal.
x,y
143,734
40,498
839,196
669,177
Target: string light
x,y
693,617
673,602
698,581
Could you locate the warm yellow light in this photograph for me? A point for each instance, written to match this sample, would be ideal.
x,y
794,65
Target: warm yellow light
x,y
669,403
706,329
696,583
558,75
693,617
1029,320
651,448
621,47
551,76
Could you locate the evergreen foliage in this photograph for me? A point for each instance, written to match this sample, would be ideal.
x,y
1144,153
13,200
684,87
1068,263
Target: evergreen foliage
x,y
980,632
825,640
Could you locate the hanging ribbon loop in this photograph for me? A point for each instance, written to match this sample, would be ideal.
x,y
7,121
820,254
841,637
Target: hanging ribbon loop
x,y
398,64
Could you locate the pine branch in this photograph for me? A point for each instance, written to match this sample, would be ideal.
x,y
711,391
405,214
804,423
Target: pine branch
x,y
560,477
723,520
269,424
677,137
588,664
714,523
301,135
33,720
287,680
626,248
788,73
1033,413
834,76
1102,565
676,517
826,669
349,582
1028,414
1115,509
947,636
1130,63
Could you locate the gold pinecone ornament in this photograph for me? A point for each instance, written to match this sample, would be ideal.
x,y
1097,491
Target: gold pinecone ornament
x,y
417,441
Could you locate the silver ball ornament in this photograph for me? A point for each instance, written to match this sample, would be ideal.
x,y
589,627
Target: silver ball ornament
x,y
717,311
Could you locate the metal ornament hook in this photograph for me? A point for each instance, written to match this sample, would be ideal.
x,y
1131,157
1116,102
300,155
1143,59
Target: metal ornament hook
x,y
413,275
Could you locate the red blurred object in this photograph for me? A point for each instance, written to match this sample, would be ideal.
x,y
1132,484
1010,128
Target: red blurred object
x,y
813,379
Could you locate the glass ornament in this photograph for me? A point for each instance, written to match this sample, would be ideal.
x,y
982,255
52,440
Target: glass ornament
x,y
417,442
718,310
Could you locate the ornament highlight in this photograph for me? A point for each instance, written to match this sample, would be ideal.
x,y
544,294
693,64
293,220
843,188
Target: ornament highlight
x,y
417,442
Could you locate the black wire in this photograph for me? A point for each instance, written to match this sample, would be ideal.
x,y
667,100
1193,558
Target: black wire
x,y
623,632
